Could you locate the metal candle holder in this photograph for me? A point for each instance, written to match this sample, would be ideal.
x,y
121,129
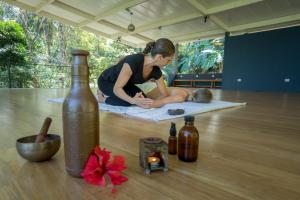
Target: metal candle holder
x,y
153,154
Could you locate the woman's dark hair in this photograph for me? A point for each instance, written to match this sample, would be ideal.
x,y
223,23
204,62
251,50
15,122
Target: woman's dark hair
x,y
162,46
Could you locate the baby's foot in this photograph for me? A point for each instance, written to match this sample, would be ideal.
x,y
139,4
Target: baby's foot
x,y
101,97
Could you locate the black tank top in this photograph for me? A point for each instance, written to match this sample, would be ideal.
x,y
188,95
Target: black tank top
x,y
136,63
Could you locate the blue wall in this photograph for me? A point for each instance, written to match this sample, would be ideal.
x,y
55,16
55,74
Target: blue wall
x,y
263,61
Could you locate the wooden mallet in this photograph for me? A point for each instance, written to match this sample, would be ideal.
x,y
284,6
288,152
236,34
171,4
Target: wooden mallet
x,y
44,130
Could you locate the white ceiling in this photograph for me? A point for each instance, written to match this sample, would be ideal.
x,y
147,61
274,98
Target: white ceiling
x,y
178,20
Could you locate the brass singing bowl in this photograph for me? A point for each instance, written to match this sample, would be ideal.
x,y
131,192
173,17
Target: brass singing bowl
x,y
37,152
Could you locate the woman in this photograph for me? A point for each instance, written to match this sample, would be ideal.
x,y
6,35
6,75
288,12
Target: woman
x,y
117,83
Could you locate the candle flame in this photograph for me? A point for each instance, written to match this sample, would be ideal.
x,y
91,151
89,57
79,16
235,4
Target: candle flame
x,y
153,159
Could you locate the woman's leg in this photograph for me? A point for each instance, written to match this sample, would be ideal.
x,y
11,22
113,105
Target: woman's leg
x,y
101,82
101,96
130,90
106,94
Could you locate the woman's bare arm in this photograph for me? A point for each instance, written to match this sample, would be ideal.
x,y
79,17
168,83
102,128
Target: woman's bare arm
x,y
163,91
118,90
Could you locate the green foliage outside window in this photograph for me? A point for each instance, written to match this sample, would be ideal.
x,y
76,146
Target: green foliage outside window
x,y
202,56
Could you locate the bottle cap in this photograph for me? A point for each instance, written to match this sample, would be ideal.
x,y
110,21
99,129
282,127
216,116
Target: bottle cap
x,y
189,118
173,129
79,52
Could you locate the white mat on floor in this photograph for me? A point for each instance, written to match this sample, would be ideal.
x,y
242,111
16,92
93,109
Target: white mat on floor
x,y
158,114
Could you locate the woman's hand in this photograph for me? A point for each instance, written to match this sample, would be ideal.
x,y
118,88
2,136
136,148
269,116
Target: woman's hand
x,y
141,101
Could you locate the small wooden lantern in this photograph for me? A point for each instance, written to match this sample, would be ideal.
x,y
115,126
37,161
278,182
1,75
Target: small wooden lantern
x,y
153,154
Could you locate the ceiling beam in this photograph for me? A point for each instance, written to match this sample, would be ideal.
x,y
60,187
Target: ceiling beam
x,y
141,37
123,30
42,5
112,10
162,22
204,11
267,22
202,38
266,28
113,26
60,19
221,8
197,35
193,36
91,17
21,5
96,32
167,21
107,36
63,20
174,20
73,10
218,22
231,5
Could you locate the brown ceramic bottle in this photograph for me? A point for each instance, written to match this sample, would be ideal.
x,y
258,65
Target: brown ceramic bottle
x,y
80,117
172,145
188,139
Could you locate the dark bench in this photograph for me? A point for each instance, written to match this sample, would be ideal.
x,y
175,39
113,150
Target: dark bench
x,y
198,80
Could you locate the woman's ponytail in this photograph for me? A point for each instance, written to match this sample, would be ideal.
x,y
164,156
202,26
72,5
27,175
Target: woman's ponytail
x,y
149,47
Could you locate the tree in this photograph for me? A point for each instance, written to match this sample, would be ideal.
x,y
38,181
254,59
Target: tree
x,y
12,42
12,51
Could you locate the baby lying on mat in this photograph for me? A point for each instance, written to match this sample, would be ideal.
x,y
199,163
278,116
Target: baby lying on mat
x,y
177,95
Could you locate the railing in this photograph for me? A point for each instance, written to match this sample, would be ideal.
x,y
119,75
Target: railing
x,y
37,76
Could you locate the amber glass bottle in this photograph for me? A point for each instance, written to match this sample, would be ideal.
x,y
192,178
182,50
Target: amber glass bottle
x,y
172,145
188,139
80,117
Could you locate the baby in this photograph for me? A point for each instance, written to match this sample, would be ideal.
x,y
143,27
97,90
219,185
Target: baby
x,y
177,95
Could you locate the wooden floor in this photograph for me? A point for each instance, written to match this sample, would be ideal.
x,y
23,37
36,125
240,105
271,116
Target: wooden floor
x,y
251,152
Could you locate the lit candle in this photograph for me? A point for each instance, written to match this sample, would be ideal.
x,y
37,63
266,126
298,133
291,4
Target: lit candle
x,y
154,161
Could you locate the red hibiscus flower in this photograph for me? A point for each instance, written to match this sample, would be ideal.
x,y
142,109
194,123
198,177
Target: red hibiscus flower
x,y
99,165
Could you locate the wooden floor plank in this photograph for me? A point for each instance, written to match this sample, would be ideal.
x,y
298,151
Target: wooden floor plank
x,y
250,152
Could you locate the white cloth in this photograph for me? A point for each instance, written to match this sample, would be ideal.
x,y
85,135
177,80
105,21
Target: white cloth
x,y
158,114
